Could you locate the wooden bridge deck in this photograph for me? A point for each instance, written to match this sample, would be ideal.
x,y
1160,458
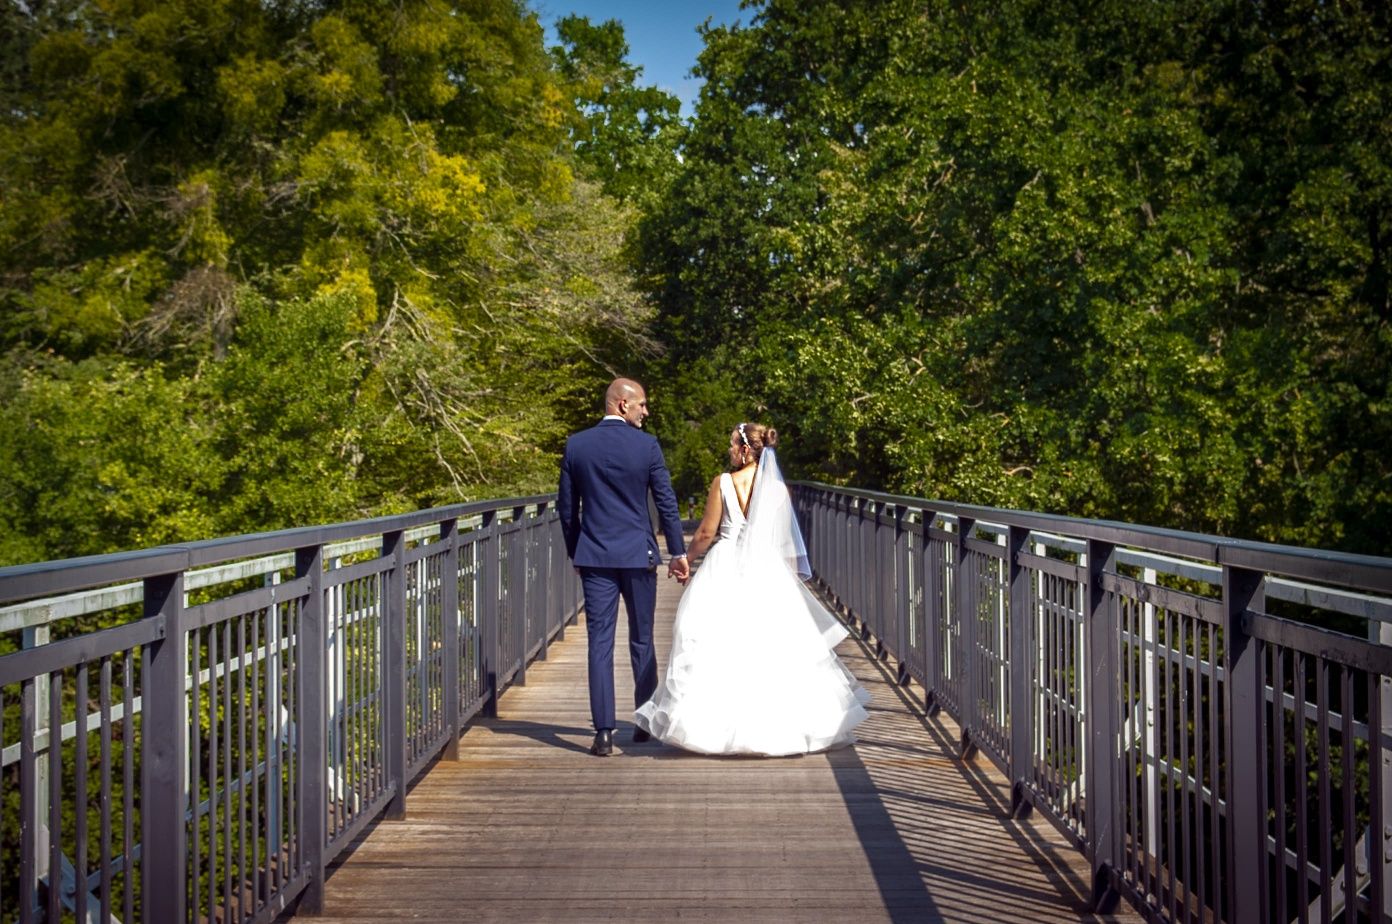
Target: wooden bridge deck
x,y
528,827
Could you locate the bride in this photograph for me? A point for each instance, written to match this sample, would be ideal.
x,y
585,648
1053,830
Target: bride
x,y
752,668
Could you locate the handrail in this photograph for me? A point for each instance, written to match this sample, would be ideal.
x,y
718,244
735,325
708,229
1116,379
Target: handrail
x,y
1365,572
1183,706
209,759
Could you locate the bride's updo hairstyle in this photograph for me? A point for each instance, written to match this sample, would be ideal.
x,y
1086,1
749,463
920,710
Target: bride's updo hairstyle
x,y
757,437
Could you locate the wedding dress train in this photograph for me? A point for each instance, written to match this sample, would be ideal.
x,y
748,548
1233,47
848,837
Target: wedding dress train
x,y
752,668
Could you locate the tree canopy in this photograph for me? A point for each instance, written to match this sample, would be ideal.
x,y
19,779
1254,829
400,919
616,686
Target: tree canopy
x,y
264,264
1092,258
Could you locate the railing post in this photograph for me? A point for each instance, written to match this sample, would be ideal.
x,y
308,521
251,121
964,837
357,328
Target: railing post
x,y
517,594
967,618
1246,699
312,672
1021,646
164,757
933,603
541,597
880,609
903,602
449,612
841,567
1101,696
393,671
861,563
486,605
560,574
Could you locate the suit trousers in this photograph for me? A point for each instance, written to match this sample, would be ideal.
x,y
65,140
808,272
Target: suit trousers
x,y
603,588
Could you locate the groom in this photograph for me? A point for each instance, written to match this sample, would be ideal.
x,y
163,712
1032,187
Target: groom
x,y
607,473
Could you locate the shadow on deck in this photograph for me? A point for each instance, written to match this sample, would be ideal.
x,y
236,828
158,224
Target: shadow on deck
x,y
527,826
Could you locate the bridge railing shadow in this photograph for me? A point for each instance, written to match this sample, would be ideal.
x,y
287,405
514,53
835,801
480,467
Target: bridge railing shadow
x,y
197,731
1207,719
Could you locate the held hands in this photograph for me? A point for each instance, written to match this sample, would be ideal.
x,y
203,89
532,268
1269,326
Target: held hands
x,y
679,568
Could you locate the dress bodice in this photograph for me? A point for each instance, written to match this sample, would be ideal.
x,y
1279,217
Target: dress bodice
x,y
731,518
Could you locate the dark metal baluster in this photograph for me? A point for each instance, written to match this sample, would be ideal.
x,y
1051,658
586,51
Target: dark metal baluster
x,y
1057,736
1326,795
1132,618
213,764
55,795
1378,891
128,789
1350,794
967,619
486,610
349,759
1278,778
359,717
1169,715
932,614
1219,787
241,874
105,697
1302,796
195,772
80,785
28,802
1201,851
1242,592
275,873
227,780
312,727
290,694
1072,593
164,759
1186,854
1103,820
1021,728
258,882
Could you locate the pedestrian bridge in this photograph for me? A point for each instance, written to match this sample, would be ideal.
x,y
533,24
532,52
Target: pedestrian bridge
x,y
388,719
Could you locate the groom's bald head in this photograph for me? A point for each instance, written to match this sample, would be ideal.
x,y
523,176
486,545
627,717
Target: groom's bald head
x,y
627,399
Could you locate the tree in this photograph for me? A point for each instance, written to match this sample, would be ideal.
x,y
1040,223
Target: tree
x,y
341,252
626,133
1087,259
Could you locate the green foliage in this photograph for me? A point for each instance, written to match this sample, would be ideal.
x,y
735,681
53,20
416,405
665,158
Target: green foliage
x,y
1092,259
269,264
626,134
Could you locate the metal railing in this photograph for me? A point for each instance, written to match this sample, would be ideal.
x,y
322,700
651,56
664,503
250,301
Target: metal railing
x,y
192,733
1209,720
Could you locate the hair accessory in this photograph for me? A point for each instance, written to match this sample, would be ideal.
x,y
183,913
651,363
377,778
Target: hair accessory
x,y
744,437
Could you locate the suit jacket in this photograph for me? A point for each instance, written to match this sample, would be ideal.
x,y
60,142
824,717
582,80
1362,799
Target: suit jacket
x,y
607,473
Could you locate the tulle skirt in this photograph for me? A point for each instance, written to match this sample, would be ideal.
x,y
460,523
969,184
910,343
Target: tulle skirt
x,y
752,668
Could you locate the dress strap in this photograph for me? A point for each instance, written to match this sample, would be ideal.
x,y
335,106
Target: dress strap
x,y
740,504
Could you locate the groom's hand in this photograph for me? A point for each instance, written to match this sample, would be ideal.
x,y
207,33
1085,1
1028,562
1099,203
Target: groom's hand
x,y
679,568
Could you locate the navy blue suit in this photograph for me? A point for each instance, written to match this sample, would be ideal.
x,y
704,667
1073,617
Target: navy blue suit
x,y
607,474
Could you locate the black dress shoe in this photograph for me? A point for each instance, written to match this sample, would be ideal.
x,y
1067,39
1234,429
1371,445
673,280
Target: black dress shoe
x,y
603,743
639,735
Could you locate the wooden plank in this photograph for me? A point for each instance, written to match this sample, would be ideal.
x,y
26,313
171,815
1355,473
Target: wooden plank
x,y
527,826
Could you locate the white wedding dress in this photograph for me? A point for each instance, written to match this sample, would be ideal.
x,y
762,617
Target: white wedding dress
x,y
752,668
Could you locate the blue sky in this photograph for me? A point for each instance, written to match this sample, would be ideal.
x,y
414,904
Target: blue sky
x,y
661,34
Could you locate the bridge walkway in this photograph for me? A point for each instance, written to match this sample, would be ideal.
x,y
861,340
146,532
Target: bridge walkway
x,y
527,826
